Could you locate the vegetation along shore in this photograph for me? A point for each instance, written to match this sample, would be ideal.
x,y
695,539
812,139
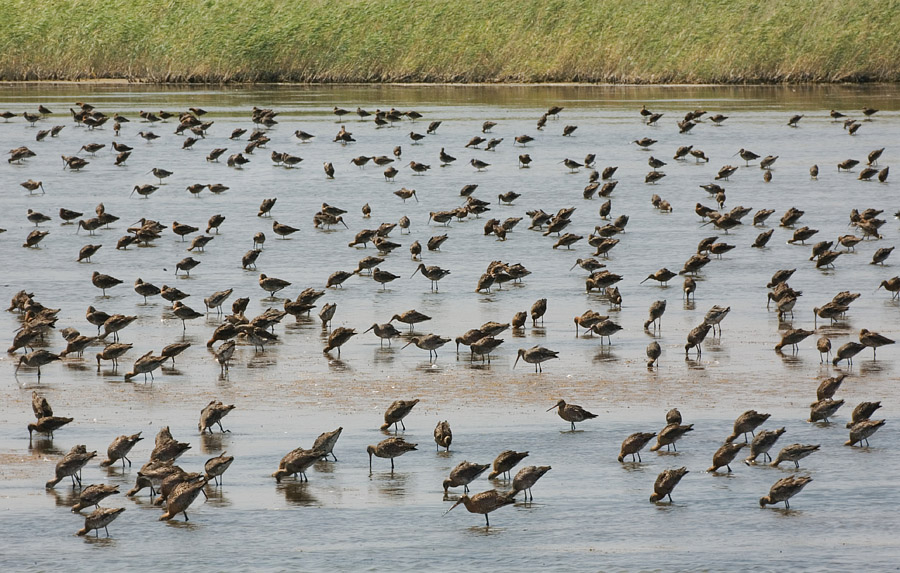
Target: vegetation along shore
x,y
634,41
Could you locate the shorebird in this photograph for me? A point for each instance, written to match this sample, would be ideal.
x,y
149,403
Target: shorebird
x,y
119,449
823,409
606,328
383,277
873,340
746,423
410,317
762,443
181,498
272,285
539,308
419,168
505,461
338,337
36,359
891,285
47,425
212,414
432,273
667,437
725,455
666,482
146,364
714,317
283,230
662,276
92,495
572,413
484,503
186,264
846,352
40,406
633,444
794,453
326,442
100,518
429,342
862,430
536,355
478,164
224,352
295,462
112,352
793,337
70,466
523,140
384,331
443,436
184,312
396,412
784,489
389,448
588,320
696,337
863,411
215,467
463,474
484,346
104,282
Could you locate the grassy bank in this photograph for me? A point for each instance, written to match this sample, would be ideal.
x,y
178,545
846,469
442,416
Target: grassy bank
x,y
634,41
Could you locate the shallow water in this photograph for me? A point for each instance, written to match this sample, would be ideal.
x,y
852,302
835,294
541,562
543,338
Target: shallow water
x,y
589,512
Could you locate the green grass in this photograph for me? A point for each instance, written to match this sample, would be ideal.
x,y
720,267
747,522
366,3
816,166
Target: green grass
x,y
633,41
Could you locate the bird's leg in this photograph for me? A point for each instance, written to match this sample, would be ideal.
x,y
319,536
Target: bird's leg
x,y
185,516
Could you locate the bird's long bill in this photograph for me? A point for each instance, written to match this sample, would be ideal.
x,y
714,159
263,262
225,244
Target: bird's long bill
x,y
368,329
407,344
414,272
552,408
645,280
575,265
344,224
451,508
516,362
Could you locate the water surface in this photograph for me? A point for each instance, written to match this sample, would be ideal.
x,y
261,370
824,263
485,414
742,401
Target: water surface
x,y
589,511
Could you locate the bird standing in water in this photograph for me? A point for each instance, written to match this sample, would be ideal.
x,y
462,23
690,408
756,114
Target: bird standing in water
x,y
572,413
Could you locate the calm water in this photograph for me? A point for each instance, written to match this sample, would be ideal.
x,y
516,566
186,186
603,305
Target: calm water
x,y
590,512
